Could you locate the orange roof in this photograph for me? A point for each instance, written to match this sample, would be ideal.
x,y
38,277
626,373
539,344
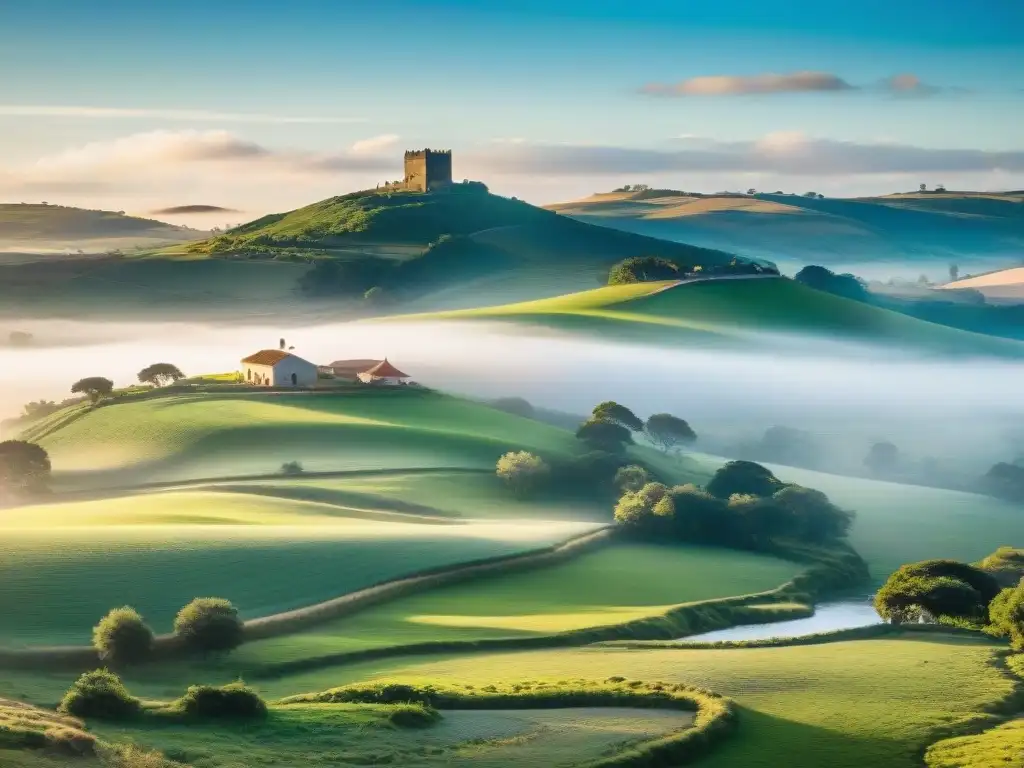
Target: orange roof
x,y
267,357
386,370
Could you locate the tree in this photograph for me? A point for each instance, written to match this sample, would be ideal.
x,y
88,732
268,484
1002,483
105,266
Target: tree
x,y
605,435
815,518
39,408
823,279
1006,615
923,187
954,273
811,194
522,471
209,624
631,478
122,637
24,467
699,516
760,519
643,269
743,477
94,387
933,589
668,431
883,458
611,411
751,191
159,374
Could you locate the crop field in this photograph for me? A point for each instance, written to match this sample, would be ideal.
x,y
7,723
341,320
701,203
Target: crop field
x,y
897,524
611,585
850,704
727,311
206,435
63,566
307,734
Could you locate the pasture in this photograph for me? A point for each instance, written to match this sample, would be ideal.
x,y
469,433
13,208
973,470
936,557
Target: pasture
x,y
611,585
64,565
181,437
845,704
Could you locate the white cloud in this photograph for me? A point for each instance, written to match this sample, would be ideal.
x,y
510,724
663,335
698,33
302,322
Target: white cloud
x,y
376,144
735,85
184,115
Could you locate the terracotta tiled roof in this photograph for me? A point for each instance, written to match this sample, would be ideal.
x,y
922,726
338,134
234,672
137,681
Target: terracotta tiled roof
x,y
267,357
384,369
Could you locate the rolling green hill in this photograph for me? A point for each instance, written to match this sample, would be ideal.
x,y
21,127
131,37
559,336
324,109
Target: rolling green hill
x,y
31,228
732,311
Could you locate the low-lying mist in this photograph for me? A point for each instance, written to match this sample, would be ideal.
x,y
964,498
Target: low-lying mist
x,y
847,397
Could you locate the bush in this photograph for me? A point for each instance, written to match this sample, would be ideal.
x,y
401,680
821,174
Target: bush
x,y
631,478
743,477
641,269
132,756
122,637
1006,614
102,695
292,468
522,471
209,624
814,517
937,589
235,700
412,715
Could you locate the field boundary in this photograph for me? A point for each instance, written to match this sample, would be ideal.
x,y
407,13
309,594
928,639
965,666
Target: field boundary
x,y
715,718
274,625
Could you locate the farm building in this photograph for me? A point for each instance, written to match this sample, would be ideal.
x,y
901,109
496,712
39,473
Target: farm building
x,y
348,369
277,368
383,373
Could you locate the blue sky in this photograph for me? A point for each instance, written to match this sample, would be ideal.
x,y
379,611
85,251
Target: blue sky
x,y
550,74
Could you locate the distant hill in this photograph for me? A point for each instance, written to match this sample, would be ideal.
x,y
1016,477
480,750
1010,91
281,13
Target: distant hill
x,y
1005,284
177,210
37,228
873,236
738,312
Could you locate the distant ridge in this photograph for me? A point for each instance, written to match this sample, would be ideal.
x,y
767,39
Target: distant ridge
x,y
180,209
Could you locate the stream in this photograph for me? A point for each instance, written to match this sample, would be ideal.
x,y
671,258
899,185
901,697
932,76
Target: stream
x,y
828,617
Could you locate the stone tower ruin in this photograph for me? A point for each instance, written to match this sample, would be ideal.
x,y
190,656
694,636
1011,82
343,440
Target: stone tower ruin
x,y
428,169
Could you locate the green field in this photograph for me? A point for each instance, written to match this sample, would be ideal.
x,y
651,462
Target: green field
x,y
612,585
63,566
1000,747
851,704
731,311
897,524
210,435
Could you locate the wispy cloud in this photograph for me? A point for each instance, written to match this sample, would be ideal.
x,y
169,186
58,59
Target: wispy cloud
x,y
177,115
909,85
375,144
737,85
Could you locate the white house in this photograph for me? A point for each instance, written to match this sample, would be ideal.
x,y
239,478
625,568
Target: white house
x,y
277,368
383,373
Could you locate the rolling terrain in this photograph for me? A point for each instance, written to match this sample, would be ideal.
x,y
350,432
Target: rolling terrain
x,y
891,235
724,312
27,228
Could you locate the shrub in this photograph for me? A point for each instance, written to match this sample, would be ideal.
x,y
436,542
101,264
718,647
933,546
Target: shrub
x,y
521,471
631,478
413,715
122,637
814,517
936,589
743,477
235,700
292,468
209,624
1006,613
100,694
641,269
131,756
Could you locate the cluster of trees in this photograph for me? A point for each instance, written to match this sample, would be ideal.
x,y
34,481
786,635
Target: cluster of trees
x,y
823,279
743,505
24,470
98,387
644,269
205,625
951,592
611,426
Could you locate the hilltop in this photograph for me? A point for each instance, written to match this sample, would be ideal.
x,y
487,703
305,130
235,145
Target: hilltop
x,y
1001,285
728,311
914,232
43,228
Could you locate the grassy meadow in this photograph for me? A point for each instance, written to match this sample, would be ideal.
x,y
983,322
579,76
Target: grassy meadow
x,y
265,554
611,585
731,312
846,704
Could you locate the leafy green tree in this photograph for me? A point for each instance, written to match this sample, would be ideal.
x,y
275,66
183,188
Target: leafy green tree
x,y
699,516
631,478
159,374
814,517
93,387
883,458
605,435
761,519
209,624
1006,614
668,431
743,477
122,637
24,467
643,269
522,471
616,413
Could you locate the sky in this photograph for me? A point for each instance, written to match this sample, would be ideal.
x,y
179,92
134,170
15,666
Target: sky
x,y
264,106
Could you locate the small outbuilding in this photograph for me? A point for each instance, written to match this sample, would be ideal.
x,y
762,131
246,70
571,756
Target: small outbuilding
x,y
277,368
383,373
349,370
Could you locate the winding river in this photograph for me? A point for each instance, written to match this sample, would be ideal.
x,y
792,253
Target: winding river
x,y
828,617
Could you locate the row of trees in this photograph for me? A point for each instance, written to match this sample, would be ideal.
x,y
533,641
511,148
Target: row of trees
x,y
645,269
205,625
98,387
611,425
956,593
743,505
